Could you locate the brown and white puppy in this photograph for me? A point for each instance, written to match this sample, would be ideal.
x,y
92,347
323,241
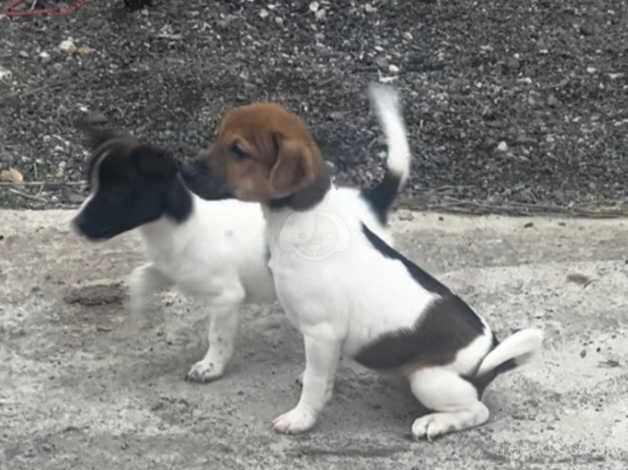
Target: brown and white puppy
x,y
357,295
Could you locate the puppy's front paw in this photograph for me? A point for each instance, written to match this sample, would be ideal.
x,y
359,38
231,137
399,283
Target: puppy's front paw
x,y
205,371
294,421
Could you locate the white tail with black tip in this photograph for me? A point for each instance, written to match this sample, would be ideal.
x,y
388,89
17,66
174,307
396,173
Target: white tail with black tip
x,y
386,103
513,351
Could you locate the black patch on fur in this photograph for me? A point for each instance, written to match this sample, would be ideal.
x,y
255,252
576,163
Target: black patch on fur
x,y
435,339
381,196
137,184
423,278
447,326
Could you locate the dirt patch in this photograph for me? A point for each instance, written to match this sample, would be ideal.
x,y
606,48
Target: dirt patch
x,y
517,108
95,294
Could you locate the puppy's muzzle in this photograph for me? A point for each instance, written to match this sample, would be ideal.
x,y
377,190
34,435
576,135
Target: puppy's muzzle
x,y
199,179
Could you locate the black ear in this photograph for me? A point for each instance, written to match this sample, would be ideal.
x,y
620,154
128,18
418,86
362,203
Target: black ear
x,y
154,161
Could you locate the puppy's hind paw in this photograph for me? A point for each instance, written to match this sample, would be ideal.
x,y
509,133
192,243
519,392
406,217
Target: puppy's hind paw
x,y
204,371
437,424
431,426
295,421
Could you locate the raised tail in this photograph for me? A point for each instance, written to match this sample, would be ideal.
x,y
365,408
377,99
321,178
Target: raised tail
x,y
385,101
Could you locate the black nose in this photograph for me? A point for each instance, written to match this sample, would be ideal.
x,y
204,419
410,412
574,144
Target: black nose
x,y
200,181
189,170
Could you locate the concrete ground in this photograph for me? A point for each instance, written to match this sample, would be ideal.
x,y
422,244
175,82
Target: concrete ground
x,y
74,395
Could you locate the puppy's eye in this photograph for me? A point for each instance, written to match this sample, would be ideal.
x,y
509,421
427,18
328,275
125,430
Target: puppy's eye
x,y
238,152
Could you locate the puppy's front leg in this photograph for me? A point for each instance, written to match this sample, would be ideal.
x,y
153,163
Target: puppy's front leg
x,y
321,362
223,325
145,281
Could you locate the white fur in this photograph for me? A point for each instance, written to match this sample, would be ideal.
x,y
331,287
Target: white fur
x,y
218,256
387,108
519,346
347,299
455,399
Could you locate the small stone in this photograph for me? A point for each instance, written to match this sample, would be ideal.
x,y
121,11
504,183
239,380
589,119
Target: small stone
x,y
502,146
279,20
336,115
83,50
528,225
11,176
313,7
382,62
408,36
43,55
552,100
67,45
591,69
5,73
23,54
263,13
370,8
392,68
578,278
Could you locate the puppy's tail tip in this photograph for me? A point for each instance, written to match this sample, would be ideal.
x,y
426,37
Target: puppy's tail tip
x,y
512,352
386,103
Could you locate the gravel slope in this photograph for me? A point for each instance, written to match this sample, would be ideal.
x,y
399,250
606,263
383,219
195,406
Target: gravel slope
x,y
511,106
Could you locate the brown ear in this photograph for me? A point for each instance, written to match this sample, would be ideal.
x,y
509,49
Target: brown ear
x,y
293,169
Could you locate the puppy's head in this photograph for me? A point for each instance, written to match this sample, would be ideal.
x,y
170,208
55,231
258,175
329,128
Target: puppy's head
x,y
130,184
262,153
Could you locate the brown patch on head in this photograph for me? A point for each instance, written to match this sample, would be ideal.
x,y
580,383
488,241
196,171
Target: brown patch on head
x,y
264,152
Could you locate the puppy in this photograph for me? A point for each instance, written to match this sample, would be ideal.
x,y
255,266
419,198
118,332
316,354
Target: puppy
x,y
364,299
213,250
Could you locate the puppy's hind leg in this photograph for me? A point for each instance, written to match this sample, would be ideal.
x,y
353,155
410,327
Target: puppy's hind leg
x,y
453,399
223,325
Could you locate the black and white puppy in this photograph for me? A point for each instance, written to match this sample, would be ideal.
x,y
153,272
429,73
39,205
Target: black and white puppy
x,y
363,299
212,250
